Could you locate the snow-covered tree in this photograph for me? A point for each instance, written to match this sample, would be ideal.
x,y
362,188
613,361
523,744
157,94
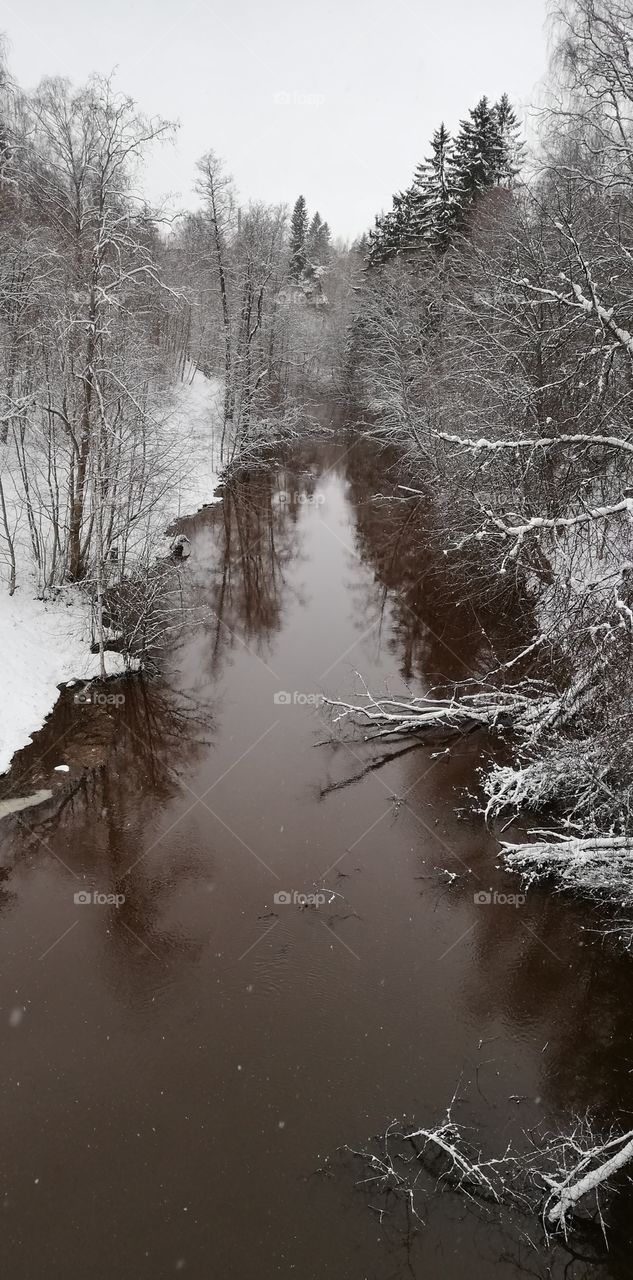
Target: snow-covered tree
x,y
298,235
434,200
478,155
512,146
393,231
318,242
312,237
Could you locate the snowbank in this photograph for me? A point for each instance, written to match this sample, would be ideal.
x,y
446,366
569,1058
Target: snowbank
x,y
42,645
47,643
195,417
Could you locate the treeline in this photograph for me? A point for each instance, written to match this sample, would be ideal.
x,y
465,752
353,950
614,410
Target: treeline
x,y
493,346
486,153
106,304
310,241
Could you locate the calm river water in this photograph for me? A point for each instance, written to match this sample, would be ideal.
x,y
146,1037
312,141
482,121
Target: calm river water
x,y
180,1066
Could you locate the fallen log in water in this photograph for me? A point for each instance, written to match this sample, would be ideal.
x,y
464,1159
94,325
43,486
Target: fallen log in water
x,y
598,867
390,716
560,1178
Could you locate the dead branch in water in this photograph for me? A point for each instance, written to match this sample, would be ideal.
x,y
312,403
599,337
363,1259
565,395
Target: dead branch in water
x,y
599,868
397,716
561,1179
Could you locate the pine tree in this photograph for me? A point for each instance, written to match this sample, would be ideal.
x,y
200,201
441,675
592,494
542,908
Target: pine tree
x,y
433,197
402,220
392,232
312,239
360,245
298,233
487,153
376,252
512,148
325,243
478,156
318,241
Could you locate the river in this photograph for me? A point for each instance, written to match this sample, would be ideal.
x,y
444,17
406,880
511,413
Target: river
x,y
184,1056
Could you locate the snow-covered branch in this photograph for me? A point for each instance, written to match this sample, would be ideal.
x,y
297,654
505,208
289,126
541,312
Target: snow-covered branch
x,y
561,1179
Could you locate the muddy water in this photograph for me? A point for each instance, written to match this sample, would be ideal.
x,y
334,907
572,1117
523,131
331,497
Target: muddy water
x,y
182,1055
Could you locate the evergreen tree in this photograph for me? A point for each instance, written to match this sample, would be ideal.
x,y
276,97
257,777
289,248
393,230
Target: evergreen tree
x,y
392,232
487,153
318,241
298,233
325,243
360,245
312,239
433,198
512,148
402,220
478,157
375,239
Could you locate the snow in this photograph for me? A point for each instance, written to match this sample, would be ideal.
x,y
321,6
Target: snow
x,y
43,644
597,864
195,415
46,643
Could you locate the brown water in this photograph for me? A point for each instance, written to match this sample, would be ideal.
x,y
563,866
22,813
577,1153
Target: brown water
x,y
178,1067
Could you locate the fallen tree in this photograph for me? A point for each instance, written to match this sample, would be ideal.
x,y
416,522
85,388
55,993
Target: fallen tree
x,y
572,763
564,1180
599,866
488,709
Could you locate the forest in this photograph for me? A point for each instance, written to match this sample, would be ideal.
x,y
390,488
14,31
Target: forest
x,y
494,349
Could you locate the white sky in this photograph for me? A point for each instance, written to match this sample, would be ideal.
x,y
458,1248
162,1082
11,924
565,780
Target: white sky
x,y
335,100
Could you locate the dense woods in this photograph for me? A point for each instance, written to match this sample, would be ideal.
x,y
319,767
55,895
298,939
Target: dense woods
x,y
106,306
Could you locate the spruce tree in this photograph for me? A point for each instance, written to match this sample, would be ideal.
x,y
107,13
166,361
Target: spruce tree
x,y
318,241
433,197
402,220
298,233
478,154
376,253
325,243
392,231
487,153
512,148
312,238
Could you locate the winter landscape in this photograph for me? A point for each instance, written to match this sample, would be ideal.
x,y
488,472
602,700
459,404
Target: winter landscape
x,y
316,626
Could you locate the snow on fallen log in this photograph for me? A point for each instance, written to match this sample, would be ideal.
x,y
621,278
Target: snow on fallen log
x,y
560,1178
566,1196
598,866
397,716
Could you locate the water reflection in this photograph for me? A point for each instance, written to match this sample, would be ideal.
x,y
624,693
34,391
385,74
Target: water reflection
x,y
442,633
250,1039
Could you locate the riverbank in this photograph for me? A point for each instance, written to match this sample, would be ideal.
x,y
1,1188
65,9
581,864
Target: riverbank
x,y
45,642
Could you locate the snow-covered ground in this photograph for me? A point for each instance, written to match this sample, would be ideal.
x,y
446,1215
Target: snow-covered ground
x,y
46,643
196,418
42,645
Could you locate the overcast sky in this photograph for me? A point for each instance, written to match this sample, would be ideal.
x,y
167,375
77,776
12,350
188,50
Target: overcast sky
x,y
335,99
